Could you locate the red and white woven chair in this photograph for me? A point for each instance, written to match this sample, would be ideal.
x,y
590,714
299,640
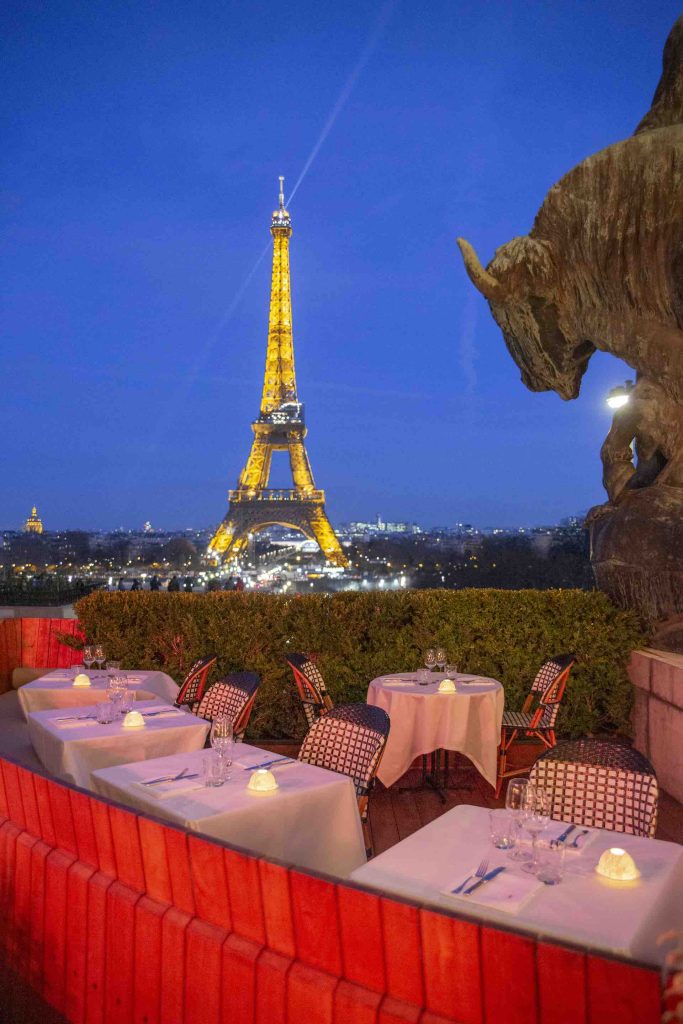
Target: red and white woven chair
x,y
193,686
349,739
310,685
538,716
598,783
234,696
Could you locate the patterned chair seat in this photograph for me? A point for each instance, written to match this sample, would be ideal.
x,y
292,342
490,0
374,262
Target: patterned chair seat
x,y
193,686
310,685
233,696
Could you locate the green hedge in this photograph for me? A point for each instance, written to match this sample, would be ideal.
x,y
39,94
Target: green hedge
x,y
499,633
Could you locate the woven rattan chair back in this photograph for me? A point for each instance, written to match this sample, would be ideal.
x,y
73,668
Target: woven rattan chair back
x,y
349,739
193,686
234,696
310,686
599,783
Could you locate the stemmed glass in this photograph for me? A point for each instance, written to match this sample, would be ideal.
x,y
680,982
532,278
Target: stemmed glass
x,y
430,658
441,657
88,655
100,656
222,740
514,802
535,817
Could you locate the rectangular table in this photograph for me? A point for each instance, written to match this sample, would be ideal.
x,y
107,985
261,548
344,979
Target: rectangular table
x,y
311,821
72,750
56,689
618,917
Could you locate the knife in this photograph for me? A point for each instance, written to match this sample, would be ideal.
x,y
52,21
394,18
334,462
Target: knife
x,y
563,838
268,764
487,878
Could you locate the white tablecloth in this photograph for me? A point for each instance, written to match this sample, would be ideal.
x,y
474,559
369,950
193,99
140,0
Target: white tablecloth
x,y
423,720
311,821
56,690
72,750
623,918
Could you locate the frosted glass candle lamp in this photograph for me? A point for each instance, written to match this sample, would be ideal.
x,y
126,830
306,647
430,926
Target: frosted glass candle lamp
x,y
81,680
617,865
133,720
262,781
446,686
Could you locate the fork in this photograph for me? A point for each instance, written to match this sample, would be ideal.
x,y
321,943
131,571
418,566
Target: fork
x,y
479,873
165,778
582,833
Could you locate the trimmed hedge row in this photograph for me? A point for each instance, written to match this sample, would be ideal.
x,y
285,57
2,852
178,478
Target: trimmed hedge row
x,y
499,633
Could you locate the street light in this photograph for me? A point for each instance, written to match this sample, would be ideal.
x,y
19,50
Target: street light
x,y
620,396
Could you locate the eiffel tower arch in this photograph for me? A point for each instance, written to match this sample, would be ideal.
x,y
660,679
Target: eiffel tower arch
x,y
252,505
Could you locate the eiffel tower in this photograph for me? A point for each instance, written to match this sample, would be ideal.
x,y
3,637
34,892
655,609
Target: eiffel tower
x,y
279,427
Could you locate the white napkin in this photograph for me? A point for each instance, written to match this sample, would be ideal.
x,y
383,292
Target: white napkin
x,y
555,829
252,760
398,682
162,711
73,724
508,891
162,790
57,677
134,680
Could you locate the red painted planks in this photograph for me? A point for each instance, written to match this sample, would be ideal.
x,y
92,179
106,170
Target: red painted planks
x,y
310,996
210,885
29,802
15,805
40,851
62,818
240,956
396,1011
179,865
22,903
451,967
47,828
354,1004
316,924
203,967
244,889
57,866
97,947
103,837
154,860
362,944
4,806
84,832
120,954
78,884
277,908
271,988
402,951
173,928
509,970
561,970
9,833
621,992
147,974
127,852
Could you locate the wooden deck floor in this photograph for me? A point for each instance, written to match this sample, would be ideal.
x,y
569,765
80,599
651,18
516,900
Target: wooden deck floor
x,y
398,812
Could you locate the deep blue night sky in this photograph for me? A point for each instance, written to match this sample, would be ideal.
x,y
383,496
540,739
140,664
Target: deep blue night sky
x,y
142,144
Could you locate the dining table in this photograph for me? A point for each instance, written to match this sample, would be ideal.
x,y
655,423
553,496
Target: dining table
x,y
423,720
311,820
56,689
618,917
70,743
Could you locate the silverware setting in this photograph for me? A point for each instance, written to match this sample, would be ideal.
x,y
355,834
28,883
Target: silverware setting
x,y
487,878
269,764
171,778
582,833
562,839
479,873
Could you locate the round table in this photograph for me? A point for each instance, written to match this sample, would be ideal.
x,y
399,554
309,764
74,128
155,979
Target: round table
x,y
424,720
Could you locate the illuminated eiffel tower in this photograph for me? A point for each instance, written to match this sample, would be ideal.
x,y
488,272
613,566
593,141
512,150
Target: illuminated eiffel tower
x,y
279,427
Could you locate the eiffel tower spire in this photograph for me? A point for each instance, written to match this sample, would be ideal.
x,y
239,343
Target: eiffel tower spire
x,y
252,506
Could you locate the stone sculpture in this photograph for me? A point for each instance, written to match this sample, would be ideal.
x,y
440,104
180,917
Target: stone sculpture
x,y
602,268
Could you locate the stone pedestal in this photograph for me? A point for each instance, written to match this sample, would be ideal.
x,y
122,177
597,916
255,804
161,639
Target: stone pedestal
x,y
657,677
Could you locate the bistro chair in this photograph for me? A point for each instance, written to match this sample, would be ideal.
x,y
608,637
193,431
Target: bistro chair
x,y
234,696
599,783
193,686
350,739
537,722
310,685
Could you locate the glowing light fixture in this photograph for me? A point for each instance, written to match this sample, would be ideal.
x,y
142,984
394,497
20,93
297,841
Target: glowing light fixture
x,y
81,680
617,865
262,781
133,720
620,396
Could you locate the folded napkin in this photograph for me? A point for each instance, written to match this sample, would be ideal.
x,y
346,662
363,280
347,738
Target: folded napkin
x,y
248,761
133,680
508,891
396,681
159,710
73,724
162,790
57,677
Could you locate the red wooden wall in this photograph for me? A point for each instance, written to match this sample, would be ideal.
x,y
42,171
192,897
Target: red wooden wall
x,y
115,918
35,643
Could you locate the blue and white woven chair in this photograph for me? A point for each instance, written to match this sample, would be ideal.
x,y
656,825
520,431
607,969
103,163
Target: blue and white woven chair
x,y
234,696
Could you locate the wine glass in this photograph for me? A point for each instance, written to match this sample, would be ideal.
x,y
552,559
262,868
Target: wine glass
x,y
430,658
99,656
535,817
222,740
441,657
514,802
88,655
